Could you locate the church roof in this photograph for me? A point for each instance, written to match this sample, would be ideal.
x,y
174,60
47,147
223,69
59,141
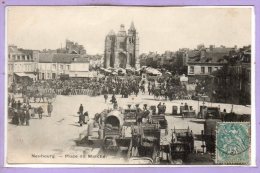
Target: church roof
x,y
210,57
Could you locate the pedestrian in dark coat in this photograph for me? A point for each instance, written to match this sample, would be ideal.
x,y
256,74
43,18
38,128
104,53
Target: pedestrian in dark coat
x,y
27,117
163,108
159,108
81,109
113,99
40,112
15,119
81,118
21,116
85,117
105,97
19,104
49,109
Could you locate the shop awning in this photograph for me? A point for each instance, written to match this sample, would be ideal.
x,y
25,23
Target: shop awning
x,y
25,75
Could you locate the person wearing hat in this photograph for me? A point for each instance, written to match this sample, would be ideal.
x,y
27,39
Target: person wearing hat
x,y
145,107
138,109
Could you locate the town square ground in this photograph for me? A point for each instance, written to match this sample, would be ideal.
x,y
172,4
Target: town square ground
x,y
52,139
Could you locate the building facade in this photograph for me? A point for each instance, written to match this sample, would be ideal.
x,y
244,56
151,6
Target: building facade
x,y
55,65
205,61
203,68
21,64
122,49
79,67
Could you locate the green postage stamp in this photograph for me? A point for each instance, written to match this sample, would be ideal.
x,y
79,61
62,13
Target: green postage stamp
x,y
233,143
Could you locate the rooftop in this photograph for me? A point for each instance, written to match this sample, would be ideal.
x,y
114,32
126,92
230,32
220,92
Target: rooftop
x,y
214,55
61,58
210,57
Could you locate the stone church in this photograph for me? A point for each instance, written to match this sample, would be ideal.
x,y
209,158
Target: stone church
x,y
122,49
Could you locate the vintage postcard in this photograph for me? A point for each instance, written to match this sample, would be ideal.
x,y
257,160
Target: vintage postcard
x,y
114,85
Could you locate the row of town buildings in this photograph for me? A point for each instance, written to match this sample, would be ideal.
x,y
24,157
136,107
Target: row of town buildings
x,y
200,61
228,68
71,61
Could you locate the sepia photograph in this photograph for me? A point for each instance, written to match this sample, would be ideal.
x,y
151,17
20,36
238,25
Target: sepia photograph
x,y
129,85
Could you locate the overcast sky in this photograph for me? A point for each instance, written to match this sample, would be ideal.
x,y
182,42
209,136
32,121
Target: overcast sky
x,y
159,28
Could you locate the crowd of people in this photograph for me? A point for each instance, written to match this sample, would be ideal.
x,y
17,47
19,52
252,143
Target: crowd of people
x,y
161,88
22,111
168,88
85,86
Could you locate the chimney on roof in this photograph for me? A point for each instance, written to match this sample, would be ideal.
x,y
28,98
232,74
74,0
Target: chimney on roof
x,y
203,53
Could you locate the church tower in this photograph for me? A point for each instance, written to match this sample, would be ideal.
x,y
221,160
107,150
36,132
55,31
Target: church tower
x,y
133,46
109,54
122,49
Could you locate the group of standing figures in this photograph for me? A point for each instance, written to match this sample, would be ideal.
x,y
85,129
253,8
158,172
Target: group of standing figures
x,y
22,112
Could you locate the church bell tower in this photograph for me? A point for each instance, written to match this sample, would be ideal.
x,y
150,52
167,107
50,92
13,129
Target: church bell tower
x,y
133,46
